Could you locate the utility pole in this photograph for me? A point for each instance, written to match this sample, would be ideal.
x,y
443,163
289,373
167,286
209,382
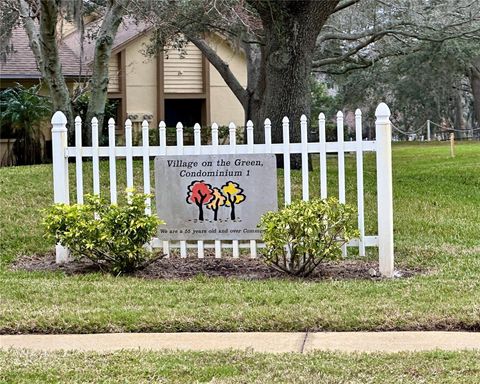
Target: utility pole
x,y
428,130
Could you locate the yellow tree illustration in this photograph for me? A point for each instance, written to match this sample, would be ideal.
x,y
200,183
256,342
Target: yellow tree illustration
x,y
234,196
217,201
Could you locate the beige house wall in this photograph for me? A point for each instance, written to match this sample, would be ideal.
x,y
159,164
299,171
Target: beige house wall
x,y
142,83
141,80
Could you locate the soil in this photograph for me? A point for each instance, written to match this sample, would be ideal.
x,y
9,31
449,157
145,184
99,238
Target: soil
x,y
185,268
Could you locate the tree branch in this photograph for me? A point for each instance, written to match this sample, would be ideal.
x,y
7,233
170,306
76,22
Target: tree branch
x,y
223,68
345,5
374,36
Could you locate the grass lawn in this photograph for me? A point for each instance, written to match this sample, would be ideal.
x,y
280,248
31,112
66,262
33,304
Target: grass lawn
x,y
437,227
238,367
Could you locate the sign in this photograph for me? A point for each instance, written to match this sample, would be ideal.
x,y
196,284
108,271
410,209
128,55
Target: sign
x,y
214,197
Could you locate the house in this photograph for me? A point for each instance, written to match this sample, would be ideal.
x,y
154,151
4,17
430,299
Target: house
x,y
174,86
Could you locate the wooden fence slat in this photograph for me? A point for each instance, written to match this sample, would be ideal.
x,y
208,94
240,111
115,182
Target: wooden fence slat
x,y
341,166
268,136
129,156
232,133
162,137
218,243
112,161
197,137
95,158
250,141
341,158
146,166
360,193
78,159
286,160
304,141
323,156
183,243
250,145
162,142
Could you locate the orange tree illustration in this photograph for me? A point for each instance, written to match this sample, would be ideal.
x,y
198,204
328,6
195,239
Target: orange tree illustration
x,y
234,195
217,201
199,193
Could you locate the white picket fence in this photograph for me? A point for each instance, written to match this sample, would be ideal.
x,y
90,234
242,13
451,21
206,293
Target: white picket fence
x,y
382,147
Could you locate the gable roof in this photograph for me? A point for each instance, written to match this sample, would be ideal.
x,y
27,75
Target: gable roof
x,y
21,64
128,31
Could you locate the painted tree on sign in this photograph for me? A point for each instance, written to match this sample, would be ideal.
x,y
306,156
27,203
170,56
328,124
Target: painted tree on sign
x,y
217,201
199,193
234,195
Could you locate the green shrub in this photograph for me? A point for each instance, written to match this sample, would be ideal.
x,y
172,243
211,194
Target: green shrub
x,y
21,112
112,236
300,236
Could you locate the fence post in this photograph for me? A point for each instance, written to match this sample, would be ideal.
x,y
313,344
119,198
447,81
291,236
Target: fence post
x,y
384,189
60,172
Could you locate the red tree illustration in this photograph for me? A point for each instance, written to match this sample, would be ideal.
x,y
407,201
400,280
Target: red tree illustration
x,y
217,201
234,195
199,193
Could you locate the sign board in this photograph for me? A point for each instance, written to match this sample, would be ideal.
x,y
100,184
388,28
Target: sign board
x,y
214,197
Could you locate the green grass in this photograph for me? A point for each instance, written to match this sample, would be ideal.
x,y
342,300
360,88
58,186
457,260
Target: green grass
x,y
238,367
437,227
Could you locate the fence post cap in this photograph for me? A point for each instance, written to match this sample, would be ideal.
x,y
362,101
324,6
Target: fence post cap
x,y
128,123
111,121
285,120
179,125
303,118
339,114
59,118
94,120
267,121
197,127
214,126
382,111
358,112
231,125
144,124
78,119
249,124
321,116
161,124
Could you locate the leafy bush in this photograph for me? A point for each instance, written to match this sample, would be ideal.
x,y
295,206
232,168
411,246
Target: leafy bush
x,y
300,236
110,235
21,112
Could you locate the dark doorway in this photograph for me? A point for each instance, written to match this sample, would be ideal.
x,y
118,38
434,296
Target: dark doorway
x,y
186,111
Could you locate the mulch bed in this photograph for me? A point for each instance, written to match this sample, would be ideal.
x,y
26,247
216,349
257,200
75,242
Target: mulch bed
x,y
241,268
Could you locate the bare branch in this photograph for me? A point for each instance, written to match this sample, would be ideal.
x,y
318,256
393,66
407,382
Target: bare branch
x,y
223,68
344,5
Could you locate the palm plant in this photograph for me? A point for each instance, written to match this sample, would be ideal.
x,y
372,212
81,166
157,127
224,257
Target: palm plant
x,y
23,109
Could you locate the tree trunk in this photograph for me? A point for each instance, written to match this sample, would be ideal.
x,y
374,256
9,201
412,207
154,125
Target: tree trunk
x,y
43,42
50,65
475,84
103,51
290,32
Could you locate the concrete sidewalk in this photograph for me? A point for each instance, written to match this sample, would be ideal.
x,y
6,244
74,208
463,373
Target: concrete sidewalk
x,y
258,341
